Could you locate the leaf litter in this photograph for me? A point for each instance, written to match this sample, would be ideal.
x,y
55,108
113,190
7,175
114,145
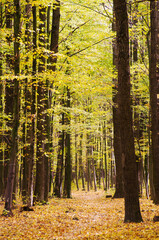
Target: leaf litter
x,y
86,216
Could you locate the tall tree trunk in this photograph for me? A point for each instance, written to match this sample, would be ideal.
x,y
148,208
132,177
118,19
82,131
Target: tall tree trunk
x,y
88,157
55,34
41,134
1,123
81,168
60,163
105,155
154,91
94,172
28,154
52,66
132,207
68,162
119,190
14,144
33,101
76,162
8,97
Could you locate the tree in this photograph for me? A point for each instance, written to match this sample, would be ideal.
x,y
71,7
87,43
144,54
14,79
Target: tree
x,y
41,134
68,163
154,101
119,193
132,208
8,93
28,154
1,119
14,143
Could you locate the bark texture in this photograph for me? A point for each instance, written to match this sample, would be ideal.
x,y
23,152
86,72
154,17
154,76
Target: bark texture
x,y
132,208
154,91
14,144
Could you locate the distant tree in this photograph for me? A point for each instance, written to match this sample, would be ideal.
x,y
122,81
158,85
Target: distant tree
x,y
68,160
60,161
132,207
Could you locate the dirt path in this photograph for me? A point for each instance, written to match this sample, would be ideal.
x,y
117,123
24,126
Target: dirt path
x,y
85,216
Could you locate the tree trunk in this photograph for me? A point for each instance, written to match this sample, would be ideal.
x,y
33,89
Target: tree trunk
x,y
41,134
8,97
81,168
132,208
28,154
119,190
55,34
68,162
154,91
105,155
76,162
1,130
94,172
60,162
52,66
14,144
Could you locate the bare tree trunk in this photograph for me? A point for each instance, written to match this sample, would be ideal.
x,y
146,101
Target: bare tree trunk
x,y
132,207
81,168
28,154
1,122
76,162
119,190
41,134
60,162
105,155
14,146
8,97
94,172
68,161
154,91
55,34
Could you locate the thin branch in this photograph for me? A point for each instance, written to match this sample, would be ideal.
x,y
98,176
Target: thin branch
x,y
139,1
89,8
90,46
68,21
70,33
71,55
104,7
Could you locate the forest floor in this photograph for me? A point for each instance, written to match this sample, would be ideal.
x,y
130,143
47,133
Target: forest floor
x,y
88,215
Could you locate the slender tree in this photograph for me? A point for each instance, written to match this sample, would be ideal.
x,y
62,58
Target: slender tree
x,y
28,155
60,161
41,134
68,162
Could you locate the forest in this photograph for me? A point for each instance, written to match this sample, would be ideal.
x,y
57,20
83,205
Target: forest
x,y
79,103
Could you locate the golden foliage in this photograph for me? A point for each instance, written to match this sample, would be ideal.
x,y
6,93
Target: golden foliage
x,y
88,215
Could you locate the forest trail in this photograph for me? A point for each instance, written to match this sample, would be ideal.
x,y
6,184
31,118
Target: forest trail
x,y
88,215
